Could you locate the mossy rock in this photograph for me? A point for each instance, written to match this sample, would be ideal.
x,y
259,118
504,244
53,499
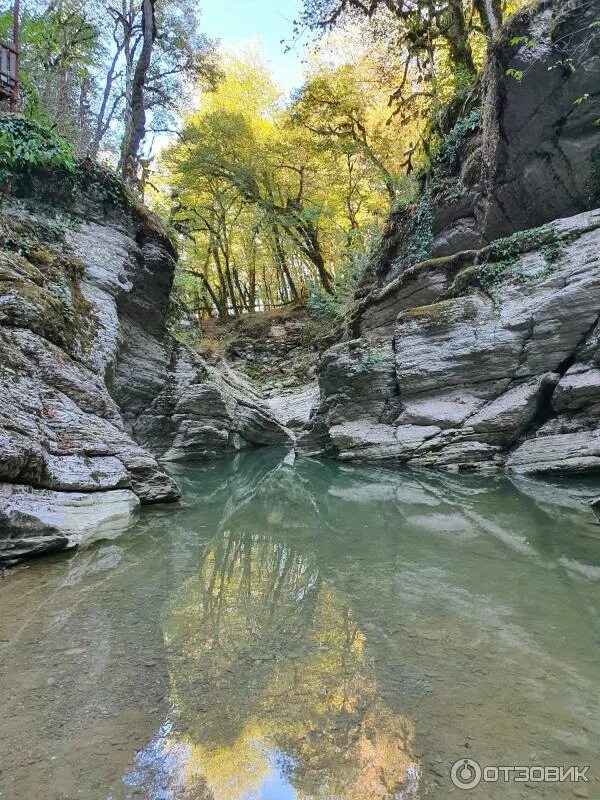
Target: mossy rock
x,y
432,313
41,257
27,305
41,284
446,311
14,267
465,279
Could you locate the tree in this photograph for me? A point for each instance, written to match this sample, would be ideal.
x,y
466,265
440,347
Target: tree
x,y
163,56
135,121
59,41
108,74
436,47
339,104
271,200
238,164
420,26
491,15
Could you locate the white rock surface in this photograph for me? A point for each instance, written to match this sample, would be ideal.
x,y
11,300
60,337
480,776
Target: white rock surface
x,y
40,521
293,409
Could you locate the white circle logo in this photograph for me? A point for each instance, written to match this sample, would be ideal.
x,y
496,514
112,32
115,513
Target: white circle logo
x,y
466,773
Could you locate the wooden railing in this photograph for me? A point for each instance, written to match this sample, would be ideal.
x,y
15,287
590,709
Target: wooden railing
x,y
9,65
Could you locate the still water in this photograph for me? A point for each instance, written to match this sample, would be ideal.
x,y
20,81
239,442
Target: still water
x,y
317,632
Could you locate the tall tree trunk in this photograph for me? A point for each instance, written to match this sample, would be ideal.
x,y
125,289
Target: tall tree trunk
x,y
267,299
457,36
105,115
282,261
83,116
305,233
317,259
230,284
252,280
223,293
490,12
204,276
136,122
241,289
312,249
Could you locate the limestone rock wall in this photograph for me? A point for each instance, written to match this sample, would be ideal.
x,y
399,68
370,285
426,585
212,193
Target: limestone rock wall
x,y
450,371
92,386
474,341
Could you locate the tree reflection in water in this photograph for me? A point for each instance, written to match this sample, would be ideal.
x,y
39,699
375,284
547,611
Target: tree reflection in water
x,y
334,606
269,675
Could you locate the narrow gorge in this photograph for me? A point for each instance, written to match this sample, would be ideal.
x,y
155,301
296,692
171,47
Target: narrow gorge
x,y
473,343
300,399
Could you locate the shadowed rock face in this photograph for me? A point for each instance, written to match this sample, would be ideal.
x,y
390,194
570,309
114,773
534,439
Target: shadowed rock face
x,y
542,160
92,386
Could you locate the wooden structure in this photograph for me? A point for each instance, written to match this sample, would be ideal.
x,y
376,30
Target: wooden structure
x,y
9,59
9,64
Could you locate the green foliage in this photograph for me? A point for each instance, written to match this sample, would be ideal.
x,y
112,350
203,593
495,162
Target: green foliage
x,y
322,306
26,145
581,99
451,147
270,199
327,307
523,40
510,248
504,261
104,182
517,74
77,68
327,312
420,240
61,291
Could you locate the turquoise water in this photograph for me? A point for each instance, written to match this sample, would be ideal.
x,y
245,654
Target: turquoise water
x,y
321,632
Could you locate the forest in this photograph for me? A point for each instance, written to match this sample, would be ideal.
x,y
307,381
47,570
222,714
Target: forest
x,y
299,399
272,198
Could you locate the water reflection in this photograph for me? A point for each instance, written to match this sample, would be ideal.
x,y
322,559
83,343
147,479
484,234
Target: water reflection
x,y
321,632
271,683
162,770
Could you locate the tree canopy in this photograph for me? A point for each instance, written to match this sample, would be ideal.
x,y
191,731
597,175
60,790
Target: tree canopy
x,y
108,75
273,199
270,197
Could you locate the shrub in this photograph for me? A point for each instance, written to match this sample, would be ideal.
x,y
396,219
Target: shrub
x,y
453,142
26,145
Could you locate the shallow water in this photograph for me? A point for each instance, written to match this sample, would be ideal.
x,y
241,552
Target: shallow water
x,y
321,631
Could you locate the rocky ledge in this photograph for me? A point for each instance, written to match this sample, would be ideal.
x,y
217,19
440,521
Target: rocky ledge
x,y
483,360
93,388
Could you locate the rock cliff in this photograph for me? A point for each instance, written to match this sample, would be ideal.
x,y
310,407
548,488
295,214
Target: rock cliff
x,y
519,152
475,342
93,388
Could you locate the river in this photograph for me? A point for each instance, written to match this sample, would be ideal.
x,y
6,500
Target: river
x,y
310,632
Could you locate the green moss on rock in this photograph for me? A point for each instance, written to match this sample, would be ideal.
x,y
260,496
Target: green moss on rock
x,y
504,258
432,313
40,278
